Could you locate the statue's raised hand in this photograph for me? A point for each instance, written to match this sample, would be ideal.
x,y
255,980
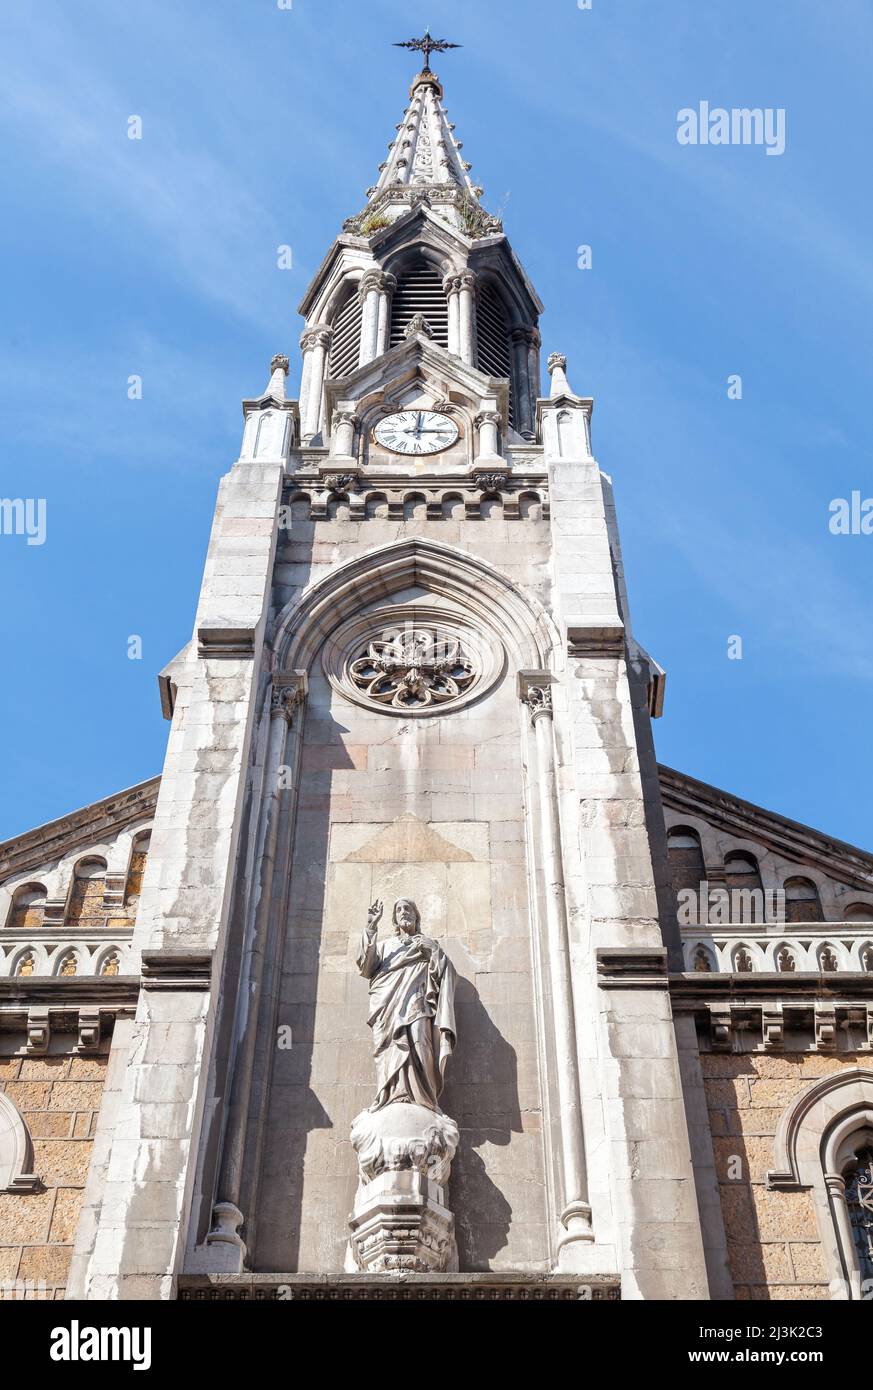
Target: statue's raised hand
x,y
374,916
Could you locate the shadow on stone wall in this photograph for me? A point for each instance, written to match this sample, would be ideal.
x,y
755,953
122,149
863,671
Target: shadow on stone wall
x,y
481,1094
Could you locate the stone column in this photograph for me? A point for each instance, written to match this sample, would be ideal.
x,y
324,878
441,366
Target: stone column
x,y
836,1190
315,343
343,434
452,289
487,423
574,1214
467,282
383,331
228,1249
534,343
373,291
521,381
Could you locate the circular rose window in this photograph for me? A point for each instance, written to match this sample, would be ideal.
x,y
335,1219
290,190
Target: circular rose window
x,y
404,661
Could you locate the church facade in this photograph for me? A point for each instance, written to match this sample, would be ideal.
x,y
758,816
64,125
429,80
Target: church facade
x,y
414,974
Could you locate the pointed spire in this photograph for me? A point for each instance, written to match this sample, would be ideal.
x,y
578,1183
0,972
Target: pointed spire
x,y
276,385
557,365
425,152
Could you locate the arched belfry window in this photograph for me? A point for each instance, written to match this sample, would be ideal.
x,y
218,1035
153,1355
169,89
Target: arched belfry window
x,y
494,343
419,291
859,1200
345,345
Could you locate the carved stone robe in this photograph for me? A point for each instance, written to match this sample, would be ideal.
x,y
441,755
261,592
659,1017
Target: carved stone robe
x,y
412,1015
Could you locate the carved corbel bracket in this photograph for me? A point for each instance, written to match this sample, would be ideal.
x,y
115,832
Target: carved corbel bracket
x,y
772,1027
721,1027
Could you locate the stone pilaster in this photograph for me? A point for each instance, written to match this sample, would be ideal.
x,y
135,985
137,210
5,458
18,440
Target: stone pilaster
x,y
182,924
642,1189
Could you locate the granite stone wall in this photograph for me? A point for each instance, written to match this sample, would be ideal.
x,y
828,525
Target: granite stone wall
x,y
59,1099
773,1238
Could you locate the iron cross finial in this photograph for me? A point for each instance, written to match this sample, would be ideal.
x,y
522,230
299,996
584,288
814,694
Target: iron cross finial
x,y
427,46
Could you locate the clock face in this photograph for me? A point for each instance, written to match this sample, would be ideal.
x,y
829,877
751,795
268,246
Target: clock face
x,y
416,432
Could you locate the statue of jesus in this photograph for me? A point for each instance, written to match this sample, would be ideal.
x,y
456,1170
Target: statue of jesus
x,y
412,1008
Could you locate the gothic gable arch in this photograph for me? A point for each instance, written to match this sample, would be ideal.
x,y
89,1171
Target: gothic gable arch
x,y
821,1140
16,1151
467,583
800,1138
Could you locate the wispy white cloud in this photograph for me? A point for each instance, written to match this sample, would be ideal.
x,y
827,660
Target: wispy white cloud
x,y
199,217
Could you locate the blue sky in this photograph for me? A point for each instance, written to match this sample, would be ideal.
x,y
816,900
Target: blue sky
x,y
264,126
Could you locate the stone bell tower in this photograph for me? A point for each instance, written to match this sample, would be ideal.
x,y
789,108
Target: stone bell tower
x,y
411,677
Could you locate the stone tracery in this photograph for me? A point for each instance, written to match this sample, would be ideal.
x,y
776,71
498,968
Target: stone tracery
x,y
413,669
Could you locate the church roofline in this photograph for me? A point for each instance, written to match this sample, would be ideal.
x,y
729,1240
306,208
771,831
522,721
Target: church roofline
x,y
34,848
787,837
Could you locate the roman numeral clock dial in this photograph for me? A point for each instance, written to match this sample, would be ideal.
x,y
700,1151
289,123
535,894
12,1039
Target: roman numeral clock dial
x,y
416,432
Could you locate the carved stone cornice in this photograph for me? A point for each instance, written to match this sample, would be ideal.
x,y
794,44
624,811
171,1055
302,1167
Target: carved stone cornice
x,y
592,638
89,825
796,842
216,640
172,968
632,967
403,1288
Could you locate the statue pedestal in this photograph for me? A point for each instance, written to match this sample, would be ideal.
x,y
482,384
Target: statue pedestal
x,y
401,1222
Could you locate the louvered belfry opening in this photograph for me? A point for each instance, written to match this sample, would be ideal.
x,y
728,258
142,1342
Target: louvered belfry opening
x,y
345,344
495,349
419,291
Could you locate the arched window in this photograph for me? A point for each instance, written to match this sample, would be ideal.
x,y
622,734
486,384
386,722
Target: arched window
x,y
345,345
858,912
494,345
28,907
824,1144
86,897
16,1151
858,1178
419,291
743,882
685,857
802,903
136,869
